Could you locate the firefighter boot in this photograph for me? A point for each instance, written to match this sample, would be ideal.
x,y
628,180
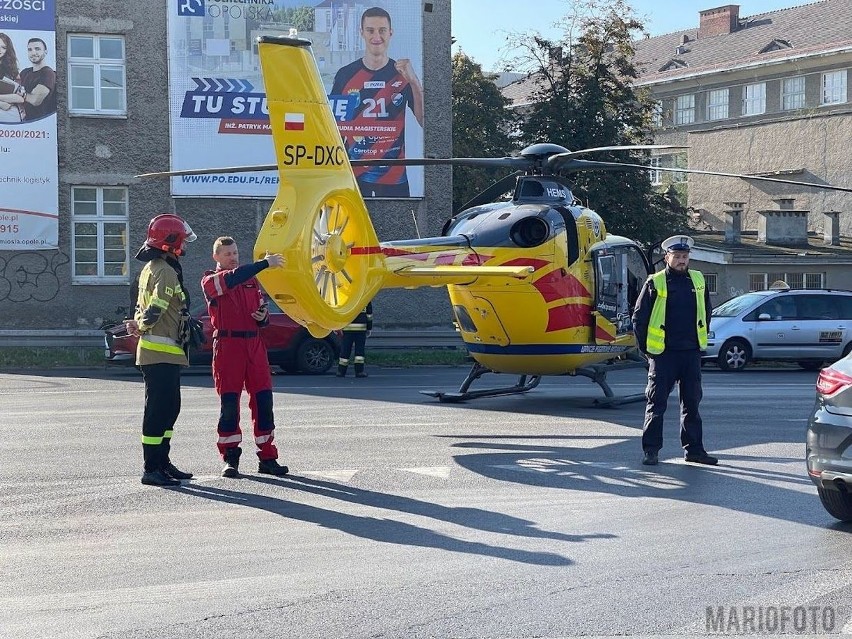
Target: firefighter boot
x,y
359,370
172,471
158,478
271,467
341,370
232,462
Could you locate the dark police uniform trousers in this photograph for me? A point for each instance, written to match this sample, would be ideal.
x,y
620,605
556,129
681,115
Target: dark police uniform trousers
x,y
665,370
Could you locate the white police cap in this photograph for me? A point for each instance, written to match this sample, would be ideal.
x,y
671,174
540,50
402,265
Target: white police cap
x,y
677,243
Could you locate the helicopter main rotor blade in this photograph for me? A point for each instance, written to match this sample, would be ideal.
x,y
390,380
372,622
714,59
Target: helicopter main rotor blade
x,y
224,169
556,161
497,189
509,162
586,165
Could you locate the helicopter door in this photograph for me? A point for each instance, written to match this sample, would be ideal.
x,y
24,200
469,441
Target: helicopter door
x,y
620,272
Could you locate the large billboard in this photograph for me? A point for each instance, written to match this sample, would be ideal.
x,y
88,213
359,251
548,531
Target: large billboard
x,y
29,167
370,56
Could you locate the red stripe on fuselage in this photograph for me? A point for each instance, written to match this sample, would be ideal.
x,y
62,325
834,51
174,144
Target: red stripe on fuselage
x,y
568,316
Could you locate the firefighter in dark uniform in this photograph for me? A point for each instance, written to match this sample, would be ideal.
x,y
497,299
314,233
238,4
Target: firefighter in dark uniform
x,y
355,334
671,320
237,311
161,322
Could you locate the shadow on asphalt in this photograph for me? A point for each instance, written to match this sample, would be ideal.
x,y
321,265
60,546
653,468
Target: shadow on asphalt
x,y
387,530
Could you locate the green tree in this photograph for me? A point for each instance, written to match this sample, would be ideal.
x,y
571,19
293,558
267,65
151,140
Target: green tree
x,y
586,97
481,127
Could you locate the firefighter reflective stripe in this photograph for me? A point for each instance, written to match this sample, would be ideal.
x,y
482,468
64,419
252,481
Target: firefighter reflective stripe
x,y
262,439
656,341
358,359
168,434
355,327
152,441
343,361
159,302
231,439
219,283
160,344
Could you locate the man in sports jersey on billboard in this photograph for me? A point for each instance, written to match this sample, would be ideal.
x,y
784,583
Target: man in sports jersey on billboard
x,y
384,88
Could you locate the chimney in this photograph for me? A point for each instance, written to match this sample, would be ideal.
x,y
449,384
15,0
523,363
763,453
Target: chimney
x,y
784,226
719,21
831,228
733,222
684,38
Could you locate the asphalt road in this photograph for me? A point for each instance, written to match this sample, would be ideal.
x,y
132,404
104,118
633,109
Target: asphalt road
x,y
523,516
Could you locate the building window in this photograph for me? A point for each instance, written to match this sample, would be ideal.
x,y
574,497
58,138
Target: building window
x,y
814,280
717,104
684,109
711,282
99,247
834,87
756,282
655,173
763,281
657,114
793,93
96,75
754,99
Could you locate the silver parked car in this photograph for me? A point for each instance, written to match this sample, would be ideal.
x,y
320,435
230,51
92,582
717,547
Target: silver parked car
x,y
829,439
808,326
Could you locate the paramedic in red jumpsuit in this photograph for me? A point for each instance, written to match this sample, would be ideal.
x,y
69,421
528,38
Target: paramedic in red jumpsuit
x,y
237,312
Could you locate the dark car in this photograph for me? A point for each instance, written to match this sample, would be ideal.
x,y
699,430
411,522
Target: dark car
x,y
289,345
829,439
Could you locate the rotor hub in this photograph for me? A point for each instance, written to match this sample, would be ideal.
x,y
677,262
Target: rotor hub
x,y
336,253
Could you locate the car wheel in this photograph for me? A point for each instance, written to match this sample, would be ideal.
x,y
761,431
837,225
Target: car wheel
x,y
810,365
734,355
838,504
315,356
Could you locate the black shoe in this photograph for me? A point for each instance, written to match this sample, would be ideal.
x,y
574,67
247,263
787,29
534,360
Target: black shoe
x,y
271,467
650,458
172,471
701,458
158,478
232,462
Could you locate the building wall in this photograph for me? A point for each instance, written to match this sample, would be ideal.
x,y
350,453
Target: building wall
x,y
816,145
102,151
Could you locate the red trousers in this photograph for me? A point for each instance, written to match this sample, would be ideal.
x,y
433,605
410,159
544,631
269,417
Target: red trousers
x,y
242,363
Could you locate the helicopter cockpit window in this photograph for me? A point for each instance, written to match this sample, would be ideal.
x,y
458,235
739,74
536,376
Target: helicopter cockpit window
x,y
532,188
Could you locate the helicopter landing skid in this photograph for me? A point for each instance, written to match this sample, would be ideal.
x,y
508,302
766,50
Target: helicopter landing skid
x,y
528,382
525,383
598,375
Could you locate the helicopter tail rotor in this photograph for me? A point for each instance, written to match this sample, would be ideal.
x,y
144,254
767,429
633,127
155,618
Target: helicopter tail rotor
x,y
318,221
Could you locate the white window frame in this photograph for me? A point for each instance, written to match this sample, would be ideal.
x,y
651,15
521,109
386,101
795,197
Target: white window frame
x,y
99,219
833,87
793,93
657,114
717,104
655,174
754,99
98,66
684,112
810,281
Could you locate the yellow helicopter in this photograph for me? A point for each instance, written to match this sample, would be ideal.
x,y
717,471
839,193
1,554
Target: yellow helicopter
x,y
537,285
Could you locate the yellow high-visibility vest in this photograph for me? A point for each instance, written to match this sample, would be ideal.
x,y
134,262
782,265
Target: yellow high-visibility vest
x,y
656,341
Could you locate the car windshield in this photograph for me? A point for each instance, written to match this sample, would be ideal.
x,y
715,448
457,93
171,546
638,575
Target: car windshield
x,y
737,305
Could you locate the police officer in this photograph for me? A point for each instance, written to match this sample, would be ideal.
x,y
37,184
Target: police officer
x,y
355,334
671,320
160,321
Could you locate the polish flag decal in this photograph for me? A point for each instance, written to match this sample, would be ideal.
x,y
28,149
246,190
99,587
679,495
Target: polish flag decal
x,y
294,121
